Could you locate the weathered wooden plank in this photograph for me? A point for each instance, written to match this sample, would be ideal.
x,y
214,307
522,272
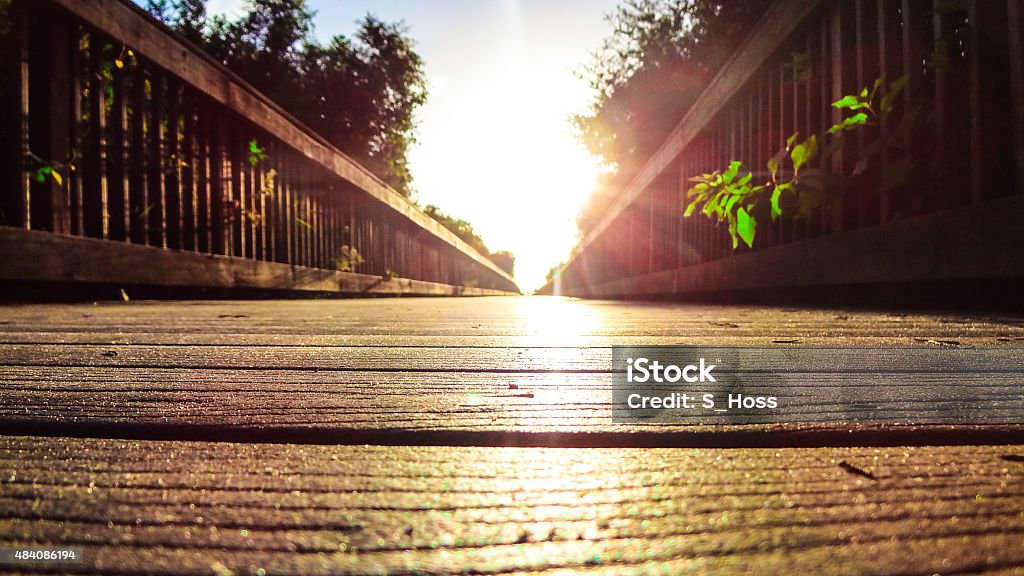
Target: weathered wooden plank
x,y
527,365
147,398
202,507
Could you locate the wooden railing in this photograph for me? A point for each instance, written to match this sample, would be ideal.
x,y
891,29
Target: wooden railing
x,y
118,130
954,214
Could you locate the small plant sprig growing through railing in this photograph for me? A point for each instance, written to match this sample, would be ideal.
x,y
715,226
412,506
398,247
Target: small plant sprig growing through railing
x,y
233,208
728,197
257,154
42,169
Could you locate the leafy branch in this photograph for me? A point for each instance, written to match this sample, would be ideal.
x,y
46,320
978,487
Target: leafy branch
x,y
792,184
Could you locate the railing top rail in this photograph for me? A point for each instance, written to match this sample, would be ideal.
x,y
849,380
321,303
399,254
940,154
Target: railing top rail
x,y
781,19
133,26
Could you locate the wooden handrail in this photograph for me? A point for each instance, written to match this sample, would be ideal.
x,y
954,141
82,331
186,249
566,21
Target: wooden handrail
x,y
947,142
781,20
129,24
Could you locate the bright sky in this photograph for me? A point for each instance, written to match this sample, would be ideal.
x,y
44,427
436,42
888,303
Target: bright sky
x,y
495,145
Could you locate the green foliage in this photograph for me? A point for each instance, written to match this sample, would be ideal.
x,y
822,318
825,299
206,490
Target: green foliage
x,y
651,68
256,153
505,260
725,197
459,227
360,94
44,172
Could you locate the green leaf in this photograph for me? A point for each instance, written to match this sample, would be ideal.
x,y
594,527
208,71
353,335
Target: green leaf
x,y
776,210
746,226
791,139
732,203
858,119
864,93
743,181
775,162
849,101
690,208
895,88
734,168
696,190
804,152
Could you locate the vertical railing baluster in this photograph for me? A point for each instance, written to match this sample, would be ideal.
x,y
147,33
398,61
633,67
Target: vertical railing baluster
x,y
237,205
204,154
157,161
1015,34
989,99
118,203
189,182
14,134
94,198
50,78
220,184
138,191
173,165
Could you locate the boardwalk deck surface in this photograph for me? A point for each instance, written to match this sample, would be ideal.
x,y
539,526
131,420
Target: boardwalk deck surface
x,y
473,435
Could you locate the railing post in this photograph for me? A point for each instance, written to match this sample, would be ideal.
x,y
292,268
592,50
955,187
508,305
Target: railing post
x,y
14,134
1015,22
117,173
139,202
50,118
157,197
94,191
990,89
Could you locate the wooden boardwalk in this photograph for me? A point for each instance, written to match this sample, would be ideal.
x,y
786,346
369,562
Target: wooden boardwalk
x,y
472,436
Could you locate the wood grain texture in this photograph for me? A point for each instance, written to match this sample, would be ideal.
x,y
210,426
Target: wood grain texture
x,y
211,507
408,436
480,370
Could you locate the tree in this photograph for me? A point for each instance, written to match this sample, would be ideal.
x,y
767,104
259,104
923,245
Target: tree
x,y
359,94
365,94
459,227
647,73
191,20
160,9
265,47
505,260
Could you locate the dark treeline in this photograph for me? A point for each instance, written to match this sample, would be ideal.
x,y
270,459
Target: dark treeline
x,y
464,230
651,68
359,93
